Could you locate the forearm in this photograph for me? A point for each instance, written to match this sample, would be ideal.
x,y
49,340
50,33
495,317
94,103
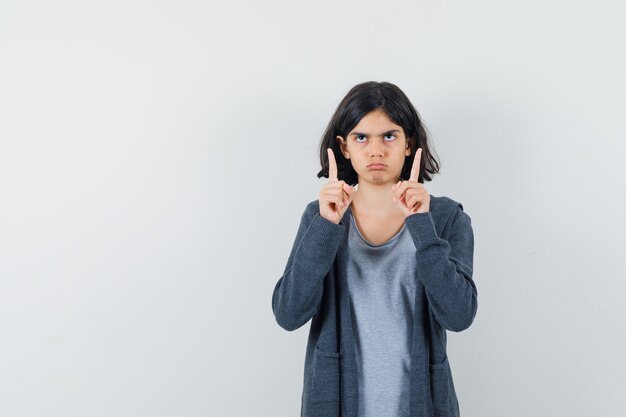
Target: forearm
x,y
445,269
298,293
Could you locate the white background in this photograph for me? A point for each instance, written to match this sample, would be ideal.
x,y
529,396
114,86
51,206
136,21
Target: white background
x,y
156,157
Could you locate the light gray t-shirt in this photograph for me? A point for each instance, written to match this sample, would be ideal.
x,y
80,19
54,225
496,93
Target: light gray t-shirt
x,y
381,283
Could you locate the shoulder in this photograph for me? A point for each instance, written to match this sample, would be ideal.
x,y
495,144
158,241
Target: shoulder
x,y
451,216
445,207
310,210
312,207
439,204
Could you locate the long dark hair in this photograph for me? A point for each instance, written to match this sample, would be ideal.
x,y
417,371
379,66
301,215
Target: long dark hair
x,y
362,99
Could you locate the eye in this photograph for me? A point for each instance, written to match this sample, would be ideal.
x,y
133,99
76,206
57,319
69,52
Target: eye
x,y
392,136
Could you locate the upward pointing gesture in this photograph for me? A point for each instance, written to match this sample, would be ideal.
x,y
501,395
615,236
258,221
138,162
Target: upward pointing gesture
x,y
415,168
412,196
335,196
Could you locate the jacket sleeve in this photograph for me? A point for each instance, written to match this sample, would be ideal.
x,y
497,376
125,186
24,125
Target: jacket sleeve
x,y
445,268
298,293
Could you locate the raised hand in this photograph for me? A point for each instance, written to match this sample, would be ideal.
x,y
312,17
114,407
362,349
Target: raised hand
x,y
335,196
411,196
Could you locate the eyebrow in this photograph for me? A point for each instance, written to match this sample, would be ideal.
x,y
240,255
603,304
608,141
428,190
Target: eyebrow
x,y
382,134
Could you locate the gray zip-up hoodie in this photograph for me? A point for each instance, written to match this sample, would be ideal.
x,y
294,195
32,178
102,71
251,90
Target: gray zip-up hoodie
x,y
312,288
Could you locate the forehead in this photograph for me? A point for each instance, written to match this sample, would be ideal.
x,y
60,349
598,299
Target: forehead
x,y
376,121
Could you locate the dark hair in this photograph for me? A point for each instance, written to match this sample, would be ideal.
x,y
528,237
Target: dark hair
x,y
362,99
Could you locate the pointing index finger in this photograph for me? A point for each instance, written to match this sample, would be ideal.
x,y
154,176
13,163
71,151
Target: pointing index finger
x,y
332,166
415,168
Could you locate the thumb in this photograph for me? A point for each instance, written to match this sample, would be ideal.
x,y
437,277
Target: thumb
x,y
348,189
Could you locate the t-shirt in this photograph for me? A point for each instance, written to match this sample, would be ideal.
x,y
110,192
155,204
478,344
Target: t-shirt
x,y
381,282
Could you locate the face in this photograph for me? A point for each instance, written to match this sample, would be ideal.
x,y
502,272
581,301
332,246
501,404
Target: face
x,y
376,140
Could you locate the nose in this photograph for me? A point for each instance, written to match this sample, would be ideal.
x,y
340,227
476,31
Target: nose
x,y
376,149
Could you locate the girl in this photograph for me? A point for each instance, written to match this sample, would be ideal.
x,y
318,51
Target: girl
x,y
382,267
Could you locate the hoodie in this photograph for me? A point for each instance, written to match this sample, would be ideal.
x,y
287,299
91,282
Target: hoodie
x,y
312,289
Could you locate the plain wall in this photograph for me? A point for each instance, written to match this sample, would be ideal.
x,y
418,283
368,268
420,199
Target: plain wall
x,y
156,157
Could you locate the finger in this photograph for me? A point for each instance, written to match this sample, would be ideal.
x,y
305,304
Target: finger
x,y
349,199
334,198
407,189
400,190
337,188
332,166
348,189
412,201
415,168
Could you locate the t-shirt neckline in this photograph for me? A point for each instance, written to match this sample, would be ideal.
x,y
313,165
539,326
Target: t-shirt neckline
x,y
394,237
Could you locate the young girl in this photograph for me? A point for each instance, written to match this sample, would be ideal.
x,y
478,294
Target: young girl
x,y
382,267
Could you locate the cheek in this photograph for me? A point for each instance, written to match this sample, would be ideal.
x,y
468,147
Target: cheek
x,y
401,163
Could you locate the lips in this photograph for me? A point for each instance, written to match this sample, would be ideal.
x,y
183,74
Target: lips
x,y
376,165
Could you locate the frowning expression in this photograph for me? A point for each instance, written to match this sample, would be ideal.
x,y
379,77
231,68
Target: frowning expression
x,y
377,148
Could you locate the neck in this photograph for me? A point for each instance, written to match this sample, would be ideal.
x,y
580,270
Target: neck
x,y
374,199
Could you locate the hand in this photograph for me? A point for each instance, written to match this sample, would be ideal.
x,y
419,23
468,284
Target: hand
x,y
412,196
335,196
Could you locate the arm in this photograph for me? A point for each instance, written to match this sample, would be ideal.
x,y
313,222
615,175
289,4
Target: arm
x,y
445,268
298,293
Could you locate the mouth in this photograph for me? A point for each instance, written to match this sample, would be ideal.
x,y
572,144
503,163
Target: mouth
x,y
376,165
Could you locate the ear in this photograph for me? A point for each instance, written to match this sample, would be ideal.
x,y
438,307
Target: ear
x,y
343,145
407,151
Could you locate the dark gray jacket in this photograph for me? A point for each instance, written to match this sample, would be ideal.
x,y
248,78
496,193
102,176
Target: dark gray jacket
x,y
446,299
